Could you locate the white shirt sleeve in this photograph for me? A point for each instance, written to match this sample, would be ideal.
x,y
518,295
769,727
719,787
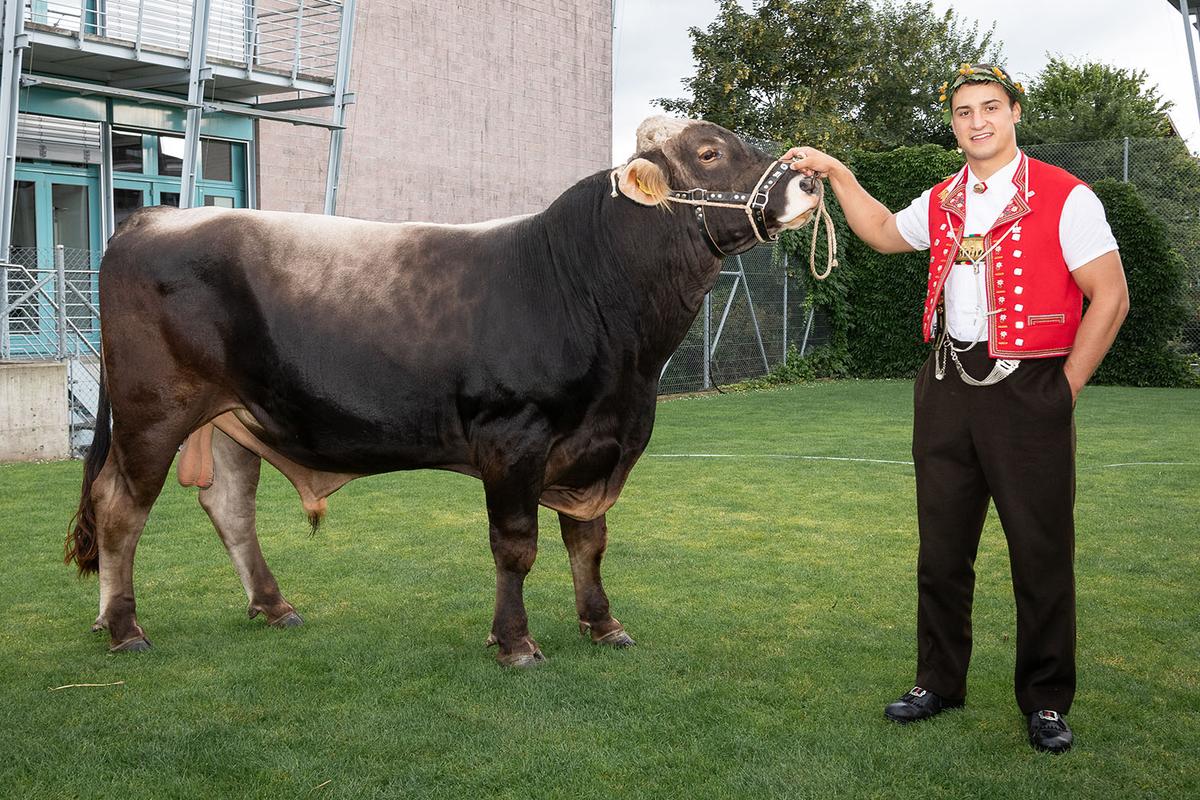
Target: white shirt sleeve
x,y
1083,230
913,222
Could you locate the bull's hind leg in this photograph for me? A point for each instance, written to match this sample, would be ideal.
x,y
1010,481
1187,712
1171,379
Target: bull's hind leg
x,y
229,502
122,494
585,543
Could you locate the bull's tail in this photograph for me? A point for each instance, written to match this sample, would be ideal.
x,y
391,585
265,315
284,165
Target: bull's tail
x,y
81,546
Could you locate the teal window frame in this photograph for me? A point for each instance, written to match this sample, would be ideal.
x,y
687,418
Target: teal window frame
x,y
150,179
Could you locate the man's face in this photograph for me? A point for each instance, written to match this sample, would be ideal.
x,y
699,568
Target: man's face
x,y
983,120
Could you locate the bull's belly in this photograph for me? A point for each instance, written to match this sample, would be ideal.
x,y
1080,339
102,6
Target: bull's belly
x,y
359,444
583,478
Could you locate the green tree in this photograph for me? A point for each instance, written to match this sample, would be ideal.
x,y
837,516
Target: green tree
x,y
1082,102
835,74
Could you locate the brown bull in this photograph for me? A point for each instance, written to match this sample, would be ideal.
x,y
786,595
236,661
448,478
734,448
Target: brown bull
x,y
523,352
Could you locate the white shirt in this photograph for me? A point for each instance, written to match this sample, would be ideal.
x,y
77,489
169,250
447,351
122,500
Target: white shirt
x,y
1083,233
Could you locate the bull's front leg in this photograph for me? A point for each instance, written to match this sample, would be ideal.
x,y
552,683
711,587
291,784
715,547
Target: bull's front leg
x,y
512,530
586,542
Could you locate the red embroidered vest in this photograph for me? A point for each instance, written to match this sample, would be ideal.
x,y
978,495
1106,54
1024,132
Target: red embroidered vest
x,y
1033,303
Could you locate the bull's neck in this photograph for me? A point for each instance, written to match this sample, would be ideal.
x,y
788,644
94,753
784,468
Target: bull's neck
x,y
657,259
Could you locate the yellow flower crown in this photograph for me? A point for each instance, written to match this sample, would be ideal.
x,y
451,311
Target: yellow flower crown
x,y
968,73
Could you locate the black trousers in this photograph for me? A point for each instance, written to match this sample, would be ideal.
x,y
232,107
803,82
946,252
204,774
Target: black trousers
x,y
1014,443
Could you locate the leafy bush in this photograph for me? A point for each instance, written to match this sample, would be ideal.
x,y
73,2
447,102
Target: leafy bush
x,y
1143,354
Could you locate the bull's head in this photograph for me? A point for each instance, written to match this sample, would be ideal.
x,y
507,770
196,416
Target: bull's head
x,y
731,179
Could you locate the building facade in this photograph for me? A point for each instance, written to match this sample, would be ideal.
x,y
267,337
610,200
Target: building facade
x,y
464,111
437,110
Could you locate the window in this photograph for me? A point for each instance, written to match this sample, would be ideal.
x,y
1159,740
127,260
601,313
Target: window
x,y
152,163
125,202
217,159
170,156
127,152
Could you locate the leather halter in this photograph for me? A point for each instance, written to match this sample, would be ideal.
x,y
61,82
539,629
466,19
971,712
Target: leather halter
x,y
754,203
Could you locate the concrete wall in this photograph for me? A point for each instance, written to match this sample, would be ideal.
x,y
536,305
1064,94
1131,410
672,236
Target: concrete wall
x,y
33,411
467,110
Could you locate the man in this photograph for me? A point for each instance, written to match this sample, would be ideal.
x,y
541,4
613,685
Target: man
x,y
1015,245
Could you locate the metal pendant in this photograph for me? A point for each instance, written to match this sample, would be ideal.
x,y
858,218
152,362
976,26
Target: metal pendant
x,y
971,249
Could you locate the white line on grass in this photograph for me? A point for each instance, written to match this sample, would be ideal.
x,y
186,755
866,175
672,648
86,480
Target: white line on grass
x,y
887,461
777,455
1155,464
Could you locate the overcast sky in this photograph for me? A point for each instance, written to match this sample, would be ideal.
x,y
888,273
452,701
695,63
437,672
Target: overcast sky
x,y
652,51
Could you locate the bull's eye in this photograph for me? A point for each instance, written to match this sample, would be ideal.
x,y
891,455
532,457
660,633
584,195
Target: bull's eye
x,y
710,155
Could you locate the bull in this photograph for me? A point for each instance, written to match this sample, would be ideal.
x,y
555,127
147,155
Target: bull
x,y
524,352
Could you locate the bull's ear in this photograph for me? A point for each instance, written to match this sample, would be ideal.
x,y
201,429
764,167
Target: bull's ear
x,y
644,182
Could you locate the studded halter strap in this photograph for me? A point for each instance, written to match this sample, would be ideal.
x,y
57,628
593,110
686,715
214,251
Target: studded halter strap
x,y
754,203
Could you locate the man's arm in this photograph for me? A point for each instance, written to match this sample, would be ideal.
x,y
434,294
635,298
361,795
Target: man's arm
x,y
870,219
1102,281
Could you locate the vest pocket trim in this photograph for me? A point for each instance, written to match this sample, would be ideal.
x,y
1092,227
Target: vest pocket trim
x,y
1045,319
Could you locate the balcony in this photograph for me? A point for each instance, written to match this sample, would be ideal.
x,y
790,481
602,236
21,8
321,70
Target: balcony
x,y
252,48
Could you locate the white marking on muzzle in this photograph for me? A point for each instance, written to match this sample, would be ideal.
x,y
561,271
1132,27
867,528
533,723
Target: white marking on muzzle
x,y
797,206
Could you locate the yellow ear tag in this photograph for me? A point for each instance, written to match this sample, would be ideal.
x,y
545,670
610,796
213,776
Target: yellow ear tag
x,y
645,189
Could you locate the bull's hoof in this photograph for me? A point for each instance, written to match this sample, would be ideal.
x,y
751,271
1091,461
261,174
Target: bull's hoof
x,y
139,644
521,660
288,620
617,637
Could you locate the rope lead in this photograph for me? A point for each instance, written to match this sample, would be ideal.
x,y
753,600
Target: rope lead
x,y
830,242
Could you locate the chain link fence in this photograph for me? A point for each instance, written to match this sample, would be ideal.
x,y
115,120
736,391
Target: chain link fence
x,y
1168,176
747,323
48,311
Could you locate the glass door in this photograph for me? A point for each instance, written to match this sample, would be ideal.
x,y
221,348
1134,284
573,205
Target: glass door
x,y
56,216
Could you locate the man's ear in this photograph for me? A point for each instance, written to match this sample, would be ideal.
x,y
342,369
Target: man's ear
x,y
643,182
1017,111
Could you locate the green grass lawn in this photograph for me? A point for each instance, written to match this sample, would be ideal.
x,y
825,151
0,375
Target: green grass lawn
x,y
772,597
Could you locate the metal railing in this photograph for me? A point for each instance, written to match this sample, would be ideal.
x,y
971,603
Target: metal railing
x,y
299,38
48,311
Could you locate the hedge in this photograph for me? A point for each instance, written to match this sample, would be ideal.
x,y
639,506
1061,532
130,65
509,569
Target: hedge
x,y
1144,352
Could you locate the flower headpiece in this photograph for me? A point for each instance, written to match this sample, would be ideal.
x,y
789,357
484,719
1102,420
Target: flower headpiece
x,y
968,73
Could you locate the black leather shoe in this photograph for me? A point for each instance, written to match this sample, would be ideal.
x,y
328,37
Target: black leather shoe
x,y
1048,731
918,704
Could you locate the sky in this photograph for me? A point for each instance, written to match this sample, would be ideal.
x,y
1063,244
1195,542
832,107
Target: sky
x,y
652,50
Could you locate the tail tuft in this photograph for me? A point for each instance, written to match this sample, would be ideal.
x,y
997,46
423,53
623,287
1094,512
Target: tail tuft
x,y
81,545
